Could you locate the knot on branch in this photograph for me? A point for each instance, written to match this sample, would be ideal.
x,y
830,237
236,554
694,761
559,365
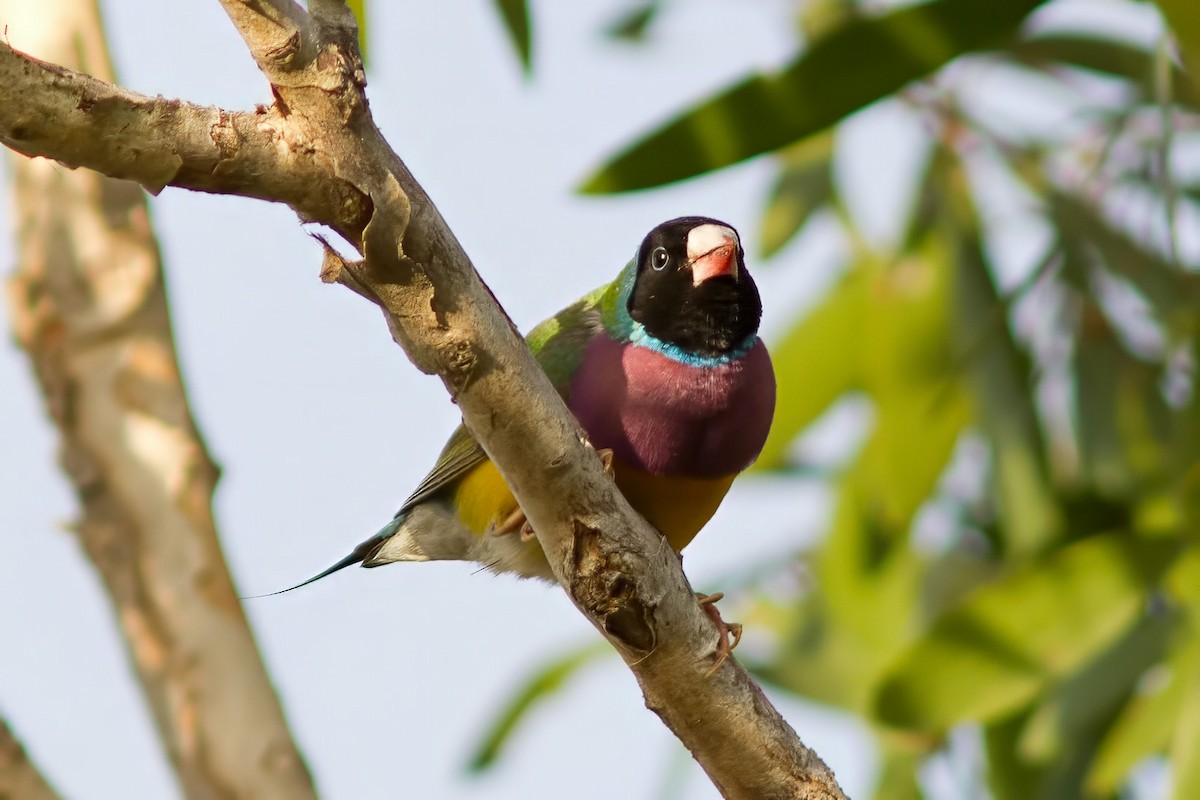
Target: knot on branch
x,y
600,584
284,53
341,60
224,135
462,363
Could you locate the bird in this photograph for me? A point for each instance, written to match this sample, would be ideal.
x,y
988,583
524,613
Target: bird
x,y
665,372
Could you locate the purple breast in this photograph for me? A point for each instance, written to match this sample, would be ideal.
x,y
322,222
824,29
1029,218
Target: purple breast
x,y
670,418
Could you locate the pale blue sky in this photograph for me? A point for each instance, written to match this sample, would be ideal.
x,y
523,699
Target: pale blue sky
x,y
322,426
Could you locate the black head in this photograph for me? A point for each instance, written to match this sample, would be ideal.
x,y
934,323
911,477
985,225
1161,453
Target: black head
x,y
692,289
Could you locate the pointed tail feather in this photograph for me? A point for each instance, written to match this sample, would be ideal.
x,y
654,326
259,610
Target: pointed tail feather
x,y
360,554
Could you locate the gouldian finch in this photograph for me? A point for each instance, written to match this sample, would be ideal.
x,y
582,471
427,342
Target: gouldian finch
x,y
663,367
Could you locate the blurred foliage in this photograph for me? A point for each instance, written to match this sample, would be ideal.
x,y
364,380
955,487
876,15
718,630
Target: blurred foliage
x,y
515,16
1013,548
871,57
634,24
548,679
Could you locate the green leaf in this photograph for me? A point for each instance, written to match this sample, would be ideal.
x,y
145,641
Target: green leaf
x,y
1000,372
1185,743
869,581
883,328
1107,56
1086,699
1183,580
1183,17
1147,427
1171,291
1003,384
838,639
1014,777
1099,362
898,775
538,687
1183,585
909,368
851,67
819,660
1143,727
632,25
359,7
953,575
1008,640
1009,777
815,364
803,185
815,18
931,193
515,16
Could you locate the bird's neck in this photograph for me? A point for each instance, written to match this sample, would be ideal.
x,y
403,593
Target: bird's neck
x,y
639,336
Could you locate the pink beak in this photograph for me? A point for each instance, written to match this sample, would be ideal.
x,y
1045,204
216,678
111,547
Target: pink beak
x,y
711,251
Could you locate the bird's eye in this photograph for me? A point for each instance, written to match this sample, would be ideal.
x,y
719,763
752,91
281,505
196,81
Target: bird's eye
x,y
659,258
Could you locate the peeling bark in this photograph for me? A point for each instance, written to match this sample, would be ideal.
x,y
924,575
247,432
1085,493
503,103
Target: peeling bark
x,y
19,777
87,304
609,560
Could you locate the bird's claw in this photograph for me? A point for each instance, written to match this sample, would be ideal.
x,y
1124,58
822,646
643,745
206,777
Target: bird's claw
x,y
726,630
606,456
516,521
606,459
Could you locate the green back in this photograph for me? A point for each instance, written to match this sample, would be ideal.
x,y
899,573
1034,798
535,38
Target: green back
x,y
558,344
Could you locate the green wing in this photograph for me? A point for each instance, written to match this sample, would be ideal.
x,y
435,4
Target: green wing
x,y
460,455
558,344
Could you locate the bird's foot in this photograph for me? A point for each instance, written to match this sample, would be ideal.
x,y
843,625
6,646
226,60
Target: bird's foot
x,y
606,458
512,522
727,630
516,521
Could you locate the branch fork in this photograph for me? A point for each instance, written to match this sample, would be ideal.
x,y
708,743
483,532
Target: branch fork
x,y
317,149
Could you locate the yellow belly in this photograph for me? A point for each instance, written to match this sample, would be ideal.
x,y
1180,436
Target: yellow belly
x,y
482,498
678,507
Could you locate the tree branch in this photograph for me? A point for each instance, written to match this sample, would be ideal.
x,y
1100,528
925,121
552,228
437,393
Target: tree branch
x,y
610,561
84,122
19,777
87,304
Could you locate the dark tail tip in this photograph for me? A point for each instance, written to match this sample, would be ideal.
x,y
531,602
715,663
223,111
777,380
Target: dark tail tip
x,y
348,561
363,552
